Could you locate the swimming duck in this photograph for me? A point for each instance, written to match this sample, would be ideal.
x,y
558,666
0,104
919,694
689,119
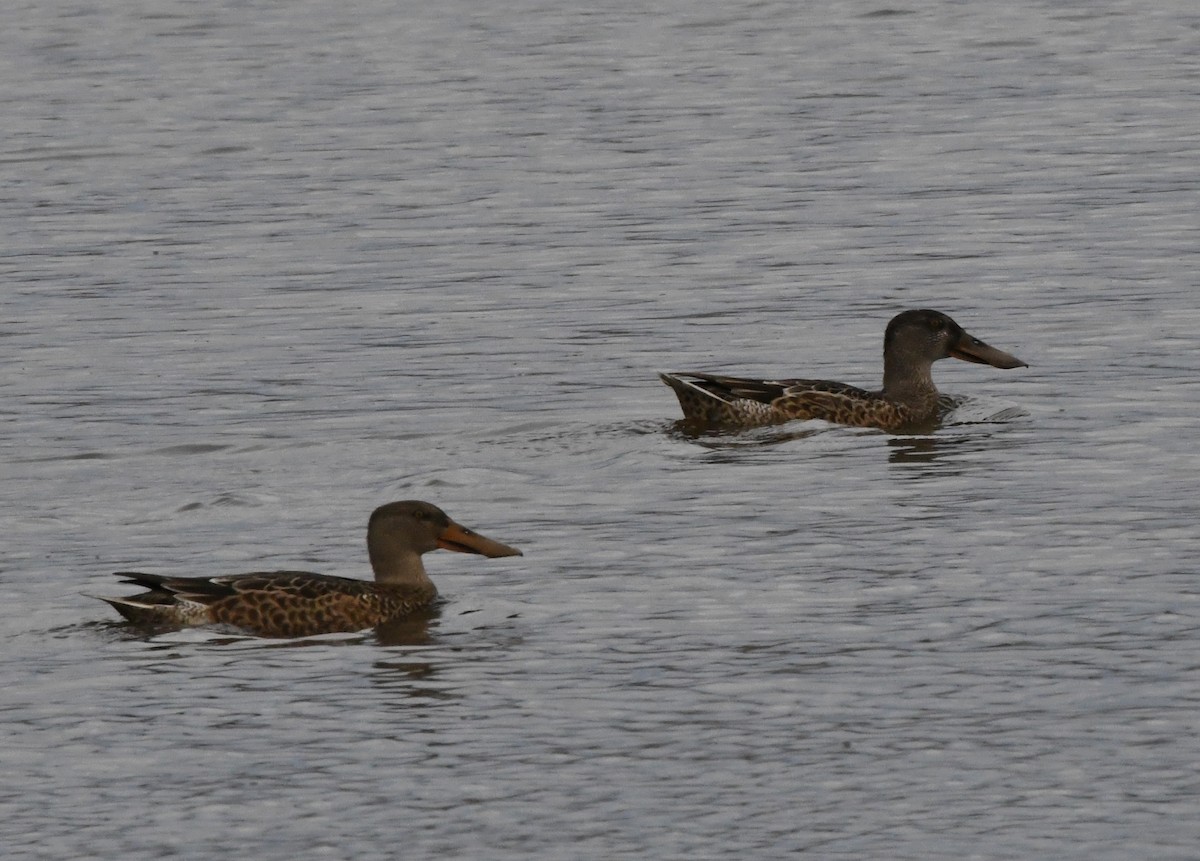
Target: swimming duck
x,y
301,604
914,340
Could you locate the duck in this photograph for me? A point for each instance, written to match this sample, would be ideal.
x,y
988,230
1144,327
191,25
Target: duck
x,y
908,401
284,604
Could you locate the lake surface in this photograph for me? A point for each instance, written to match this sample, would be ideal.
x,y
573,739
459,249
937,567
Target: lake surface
x,y
268,265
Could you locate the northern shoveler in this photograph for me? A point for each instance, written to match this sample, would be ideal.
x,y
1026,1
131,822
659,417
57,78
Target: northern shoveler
x,y
302,604
914,340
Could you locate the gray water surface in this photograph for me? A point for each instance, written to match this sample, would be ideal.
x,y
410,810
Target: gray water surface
x,y
268,265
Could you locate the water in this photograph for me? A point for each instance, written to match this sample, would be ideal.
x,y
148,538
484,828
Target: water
x,y
270,265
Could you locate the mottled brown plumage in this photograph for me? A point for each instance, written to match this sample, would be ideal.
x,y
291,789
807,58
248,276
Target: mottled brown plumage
x,y
914,340
300,603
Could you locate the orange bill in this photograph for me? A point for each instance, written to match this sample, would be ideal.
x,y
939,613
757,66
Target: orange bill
x,y
463,540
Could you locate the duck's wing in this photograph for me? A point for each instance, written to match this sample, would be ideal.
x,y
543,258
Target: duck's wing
x,y
209,590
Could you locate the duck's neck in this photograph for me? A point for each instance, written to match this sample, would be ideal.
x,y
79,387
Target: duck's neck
x,y
394,564
906,380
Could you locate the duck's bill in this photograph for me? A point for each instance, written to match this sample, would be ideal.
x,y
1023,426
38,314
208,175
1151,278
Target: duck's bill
x,y
462,540
971,349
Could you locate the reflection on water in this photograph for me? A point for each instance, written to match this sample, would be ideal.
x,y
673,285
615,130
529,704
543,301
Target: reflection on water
x,y
411,630
718,438
925,450
415,681
921,449
952,448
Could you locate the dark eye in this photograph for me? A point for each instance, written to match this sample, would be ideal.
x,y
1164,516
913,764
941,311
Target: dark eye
x,y
937,325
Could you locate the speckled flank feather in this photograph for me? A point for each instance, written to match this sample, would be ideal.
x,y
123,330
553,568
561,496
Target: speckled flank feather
x,y
271,603
908,401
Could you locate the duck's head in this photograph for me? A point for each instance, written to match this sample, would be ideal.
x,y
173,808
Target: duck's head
x,y
418,527
922,337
